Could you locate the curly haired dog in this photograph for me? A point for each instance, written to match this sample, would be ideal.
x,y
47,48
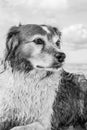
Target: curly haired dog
x,y
35,92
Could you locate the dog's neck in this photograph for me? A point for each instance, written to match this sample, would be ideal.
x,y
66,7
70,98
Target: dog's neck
x,y
37,74
34,75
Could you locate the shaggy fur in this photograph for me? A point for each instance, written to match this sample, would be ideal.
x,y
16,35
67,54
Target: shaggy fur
x,y
69,108
36,93
28,98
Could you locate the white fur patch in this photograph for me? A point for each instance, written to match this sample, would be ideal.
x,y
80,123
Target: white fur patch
x,y
46,29
44,60
30,96
81,106
55,38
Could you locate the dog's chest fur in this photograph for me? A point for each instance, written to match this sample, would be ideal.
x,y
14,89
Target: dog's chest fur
x,y
32,96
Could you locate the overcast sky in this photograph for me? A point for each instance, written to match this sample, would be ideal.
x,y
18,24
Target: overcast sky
x,y
69,15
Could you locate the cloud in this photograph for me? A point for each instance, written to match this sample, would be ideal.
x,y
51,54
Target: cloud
x,y
75,43
75,36
31,11
50,4
78,5
53,4
16,2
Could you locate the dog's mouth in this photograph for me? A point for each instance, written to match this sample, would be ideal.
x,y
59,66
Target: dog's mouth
x,y
53,66
40,66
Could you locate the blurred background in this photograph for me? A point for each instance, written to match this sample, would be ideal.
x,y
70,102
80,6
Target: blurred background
x,y
70,16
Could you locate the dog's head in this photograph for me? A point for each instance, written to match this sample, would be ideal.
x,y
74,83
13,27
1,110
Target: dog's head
x,y
34,46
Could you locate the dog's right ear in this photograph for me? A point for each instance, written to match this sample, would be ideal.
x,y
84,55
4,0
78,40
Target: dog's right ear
x,y
57,31
12,41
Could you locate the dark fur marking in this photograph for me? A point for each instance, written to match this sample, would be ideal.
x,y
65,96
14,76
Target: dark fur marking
x,y
7,125
14,58
66,107
21,65
18,63
31,30
11,45
49,73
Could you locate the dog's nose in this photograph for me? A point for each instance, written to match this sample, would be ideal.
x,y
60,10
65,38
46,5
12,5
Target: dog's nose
x,y
60,56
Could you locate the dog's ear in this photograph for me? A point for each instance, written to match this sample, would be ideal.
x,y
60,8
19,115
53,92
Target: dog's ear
x,y
57,31
12,41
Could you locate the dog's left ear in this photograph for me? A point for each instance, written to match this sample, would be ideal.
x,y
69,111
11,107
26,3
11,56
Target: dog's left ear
x,y
57,31
12,41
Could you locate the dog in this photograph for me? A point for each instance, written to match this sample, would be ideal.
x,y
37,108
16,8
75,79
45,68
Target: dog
x,y
35,91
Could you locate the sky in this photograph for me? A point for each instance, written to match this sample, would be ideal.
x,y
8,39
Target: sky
x,y
70,16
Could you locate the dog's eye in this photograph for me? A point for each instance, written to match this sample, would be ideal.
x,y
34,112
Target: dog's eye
x,y
58,43
39,41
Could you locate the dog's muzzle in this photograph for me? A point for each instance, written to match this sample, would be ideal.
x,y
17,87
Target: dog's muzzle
x,y
60,56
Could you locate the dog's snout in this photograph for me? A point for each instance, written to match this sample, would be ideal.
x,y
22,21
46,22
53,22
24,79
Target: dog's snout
x,y
60,56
